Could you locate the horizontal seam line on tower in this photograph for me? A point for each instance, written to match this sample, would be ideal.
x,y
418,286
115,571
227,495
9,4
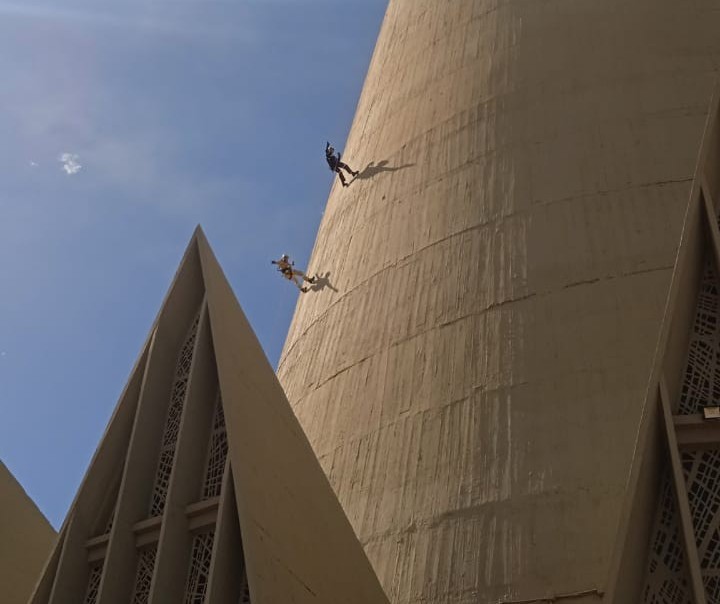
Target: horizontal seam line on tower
x,y
598,593
474,511
423,412
485,101
478,226
483,118
489,308
476,389
534,203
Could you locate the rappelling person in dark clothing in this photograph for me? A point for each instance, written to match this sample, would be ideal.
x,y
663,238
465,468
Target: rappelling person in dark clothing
x,y
288,270
336,165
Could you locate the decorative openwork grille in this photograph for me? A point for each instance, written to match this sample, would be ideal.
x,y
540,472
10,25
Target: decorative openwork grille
x,y
199,568
217,454
666,581
172,424
143,577
702,475
702,373
93,585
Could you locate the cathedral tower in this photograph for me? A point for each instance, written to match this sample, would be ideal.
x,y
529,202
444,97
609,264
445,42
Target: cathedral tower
x,y
474,381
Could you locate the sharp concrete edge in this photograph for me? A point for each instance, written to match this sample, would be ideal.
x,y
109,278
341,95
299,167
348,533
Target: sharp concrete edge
x,y
298,543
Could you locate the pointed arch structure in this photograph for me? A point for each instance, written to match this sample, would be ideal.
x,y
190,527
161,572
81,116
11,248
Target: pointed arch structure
x,y
668,548
204,488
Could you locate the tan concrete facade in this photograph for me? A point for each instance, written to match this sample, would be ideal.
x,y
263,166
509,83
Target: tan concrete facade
x,y
475,385
26,539
204,487
671,500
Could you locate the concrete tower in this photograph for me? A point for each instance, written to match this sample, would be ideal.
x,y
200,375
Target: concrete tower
x,y
473,384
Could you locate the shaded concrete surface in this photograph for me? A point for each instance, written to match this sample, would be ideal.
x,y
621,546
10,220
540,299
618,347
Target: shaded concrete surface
x,y
299,546
26,539
473,388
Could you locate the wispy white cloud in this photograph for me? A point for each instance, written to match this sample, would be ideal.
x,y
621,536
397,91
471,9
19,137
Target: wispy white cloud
x,y
179,17
70,163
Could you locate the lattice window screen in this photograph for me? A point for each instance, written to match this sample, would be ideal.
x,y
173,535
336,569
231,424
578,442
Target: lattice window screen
x,y
91,593
702,373
666,577
712,589
172,424
143,577
199,574
217,454
702,475
666,582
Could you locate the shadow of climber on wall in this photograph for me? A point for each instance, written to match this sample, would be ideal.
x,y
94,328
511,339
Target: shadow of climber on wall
x,y
321,282
373,169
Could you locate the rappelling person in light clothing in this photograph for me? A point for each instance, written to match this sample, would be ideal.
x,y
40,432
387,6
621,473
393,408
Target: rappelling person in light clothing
x,y
288,270
336,165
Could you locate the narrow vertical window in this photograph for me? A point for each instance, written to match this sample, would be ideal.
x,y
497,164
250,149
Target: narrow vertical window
x,y
217,454
143,577
172,424
666,579
91,593
199,574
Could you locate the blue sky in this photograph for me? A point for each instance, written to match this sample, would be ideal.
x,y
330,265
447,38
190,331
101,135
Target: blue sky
x,y
170,113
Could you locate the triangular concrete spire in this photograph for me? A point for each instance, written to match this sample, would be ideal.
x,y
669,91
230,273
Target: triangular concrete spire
x,y
204,487
669,526
298,543
27,538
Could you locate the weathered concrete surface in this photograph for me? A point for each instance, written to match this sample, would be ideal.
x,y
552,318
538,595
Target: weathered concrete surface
x,y
474,387
26,538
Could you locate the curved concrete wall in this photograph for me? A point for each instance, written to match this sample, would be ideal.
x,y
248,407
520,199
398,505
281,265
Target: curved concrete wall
x,y
473,387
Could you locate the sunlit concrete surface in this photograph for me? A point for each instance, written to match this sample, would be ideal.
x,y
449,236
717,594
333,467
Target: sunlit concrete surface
x,y
471,367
